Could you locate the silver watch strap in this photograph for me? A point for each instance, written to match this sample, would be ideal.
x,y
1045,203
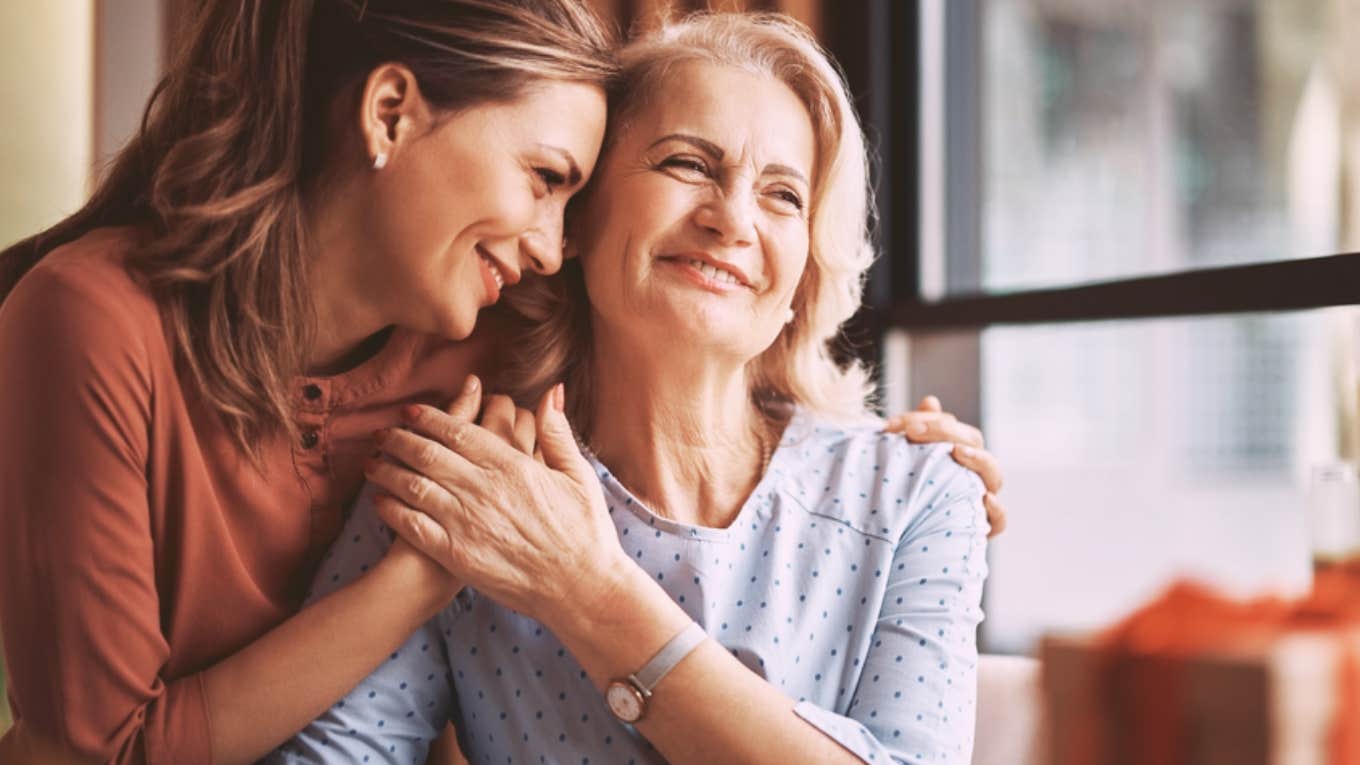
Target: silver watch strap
x,y
671,654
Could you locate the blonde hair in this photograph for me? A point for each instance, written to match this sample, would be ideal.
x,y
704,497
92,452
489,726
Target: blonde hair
x,y
798,368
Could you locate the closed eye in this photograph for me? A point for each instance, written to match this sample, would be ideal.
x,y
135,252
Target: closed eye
x,y
686,163
550,177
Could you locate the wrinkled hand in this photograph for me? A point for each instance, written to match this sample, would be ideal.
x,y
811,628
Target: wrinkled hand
x,y
930,424
535,536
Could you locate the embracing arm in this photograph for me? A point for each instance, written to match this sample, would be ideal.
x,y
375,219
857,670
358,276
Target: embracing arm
x,y
79,604
613,617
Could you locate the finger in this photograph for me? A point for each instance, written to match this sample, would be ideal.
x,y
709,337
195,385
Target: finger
x,y
469,400
498,416
982,462
935,427
423,455
413,489
526,431
473,442
555,438
929,404
915,423
414,527
996,514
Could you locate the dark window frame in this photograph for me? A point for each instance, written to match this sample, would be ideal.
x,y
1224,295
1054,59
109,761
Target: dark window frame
x,y
878,43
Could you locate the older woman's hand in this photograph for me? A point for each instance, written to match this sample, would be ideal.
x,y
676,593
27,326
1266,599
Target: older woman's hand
x,y
535,536
929,423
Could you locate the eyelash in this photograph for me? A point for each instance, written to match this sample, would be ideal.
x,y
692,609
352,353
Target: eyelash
x,y
550,177
686,163
791,198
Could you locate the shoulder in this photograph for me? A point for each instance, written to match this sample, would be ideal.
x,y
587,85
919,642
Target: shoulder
x,y
84,287
79,316
877,482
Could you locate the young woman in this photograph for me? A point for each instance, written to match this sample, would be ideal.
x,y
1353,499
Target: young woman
x,y
323,197
765,576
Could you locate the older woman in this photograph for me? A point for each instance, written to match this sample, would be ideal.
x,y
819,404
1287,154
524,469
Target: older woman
x,y
743,568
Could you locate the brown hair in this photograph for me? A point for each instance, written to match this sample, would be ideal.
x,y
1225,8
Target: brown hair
x,y
236,131
799,368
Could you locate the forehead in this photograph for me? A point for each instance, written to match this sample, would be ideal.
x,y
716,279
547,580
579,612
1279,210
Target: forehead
x,y
568,115
751,116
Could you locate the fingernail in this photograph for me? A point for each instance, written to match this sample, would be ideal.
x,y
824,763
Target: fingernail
x,y
472,385
963,451
560,397
411,413
916,427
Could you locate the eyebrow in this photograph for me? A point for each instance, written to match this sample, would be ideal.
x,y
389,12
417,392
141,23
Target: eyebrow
x,y
712,149
574,175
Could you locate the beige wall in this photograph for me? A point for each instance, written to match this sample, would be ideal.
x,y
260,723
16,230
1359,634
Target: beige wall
x,y
46,112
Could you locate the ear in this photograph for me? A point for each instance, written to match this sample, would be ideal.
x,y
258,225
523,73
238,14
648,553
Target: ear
x,y
392,111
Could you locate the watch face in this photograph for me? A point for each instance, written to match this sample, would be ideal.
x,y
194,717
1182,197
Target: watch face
x,y
624,701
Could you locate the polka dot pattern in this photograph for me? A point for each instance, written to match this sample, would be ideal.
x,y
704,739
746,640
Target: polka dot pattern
x,y
850,580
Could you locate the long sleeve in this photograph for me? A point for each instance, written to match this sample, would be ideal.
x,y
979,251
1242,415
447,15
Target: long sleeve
x,y
915,702
79,604
396,712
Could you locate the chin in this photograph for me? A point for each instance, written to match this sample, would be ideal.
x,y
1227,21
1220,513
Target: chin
x,y
452,324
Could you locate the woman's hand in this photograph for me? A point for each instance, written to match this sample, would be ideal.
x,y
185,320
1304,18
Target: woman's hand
x,y
535,536
930,424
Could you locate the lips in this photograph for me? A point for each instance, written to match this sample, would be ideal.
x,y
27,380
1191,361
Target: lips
x,y
493,280
495,275
710,271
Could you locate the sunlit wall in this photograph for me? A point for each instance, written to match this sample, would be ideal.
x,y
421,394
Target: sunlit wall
x,y
46,111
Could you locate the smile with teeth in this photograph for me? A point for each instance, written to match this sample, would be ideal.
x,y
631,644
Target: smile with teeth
x,y
712,272
495,271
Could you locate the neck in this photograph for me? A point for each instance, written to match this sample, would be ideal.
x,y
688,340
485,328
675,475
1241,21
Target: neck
x,y
349,322
680,432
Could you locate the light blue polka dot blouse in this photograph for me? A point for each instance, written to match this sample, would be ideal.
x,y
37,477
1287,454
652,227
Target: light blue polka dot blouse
x,y
851,580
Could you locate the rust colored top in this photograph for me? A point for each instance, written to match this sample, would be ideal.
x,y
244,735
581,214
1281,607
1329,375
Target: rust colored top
x,y
138,545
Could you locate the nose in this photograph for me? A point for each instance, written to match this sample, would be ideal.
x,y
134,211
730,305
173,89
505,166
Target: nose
x,y
731,216
542,246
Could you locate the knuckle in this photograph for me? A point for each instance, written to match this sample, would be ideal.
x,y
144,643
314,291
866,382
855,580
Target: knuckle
x,y
427,455
417,487
454,433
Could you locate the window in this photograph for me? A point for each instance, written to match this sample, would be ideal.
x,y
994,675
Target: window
x,y
1112,235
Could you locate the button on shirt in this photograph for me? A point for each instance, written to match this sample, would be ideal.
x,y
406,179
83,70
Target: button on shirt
x,y
851,580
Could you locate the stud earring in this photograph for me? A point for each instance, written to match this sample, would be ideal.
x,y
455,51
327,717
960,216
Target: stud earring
x,y
789,316
380,161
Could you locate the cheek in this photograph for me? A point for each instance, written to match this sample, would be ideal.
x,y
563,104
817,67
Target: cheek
x,y
790,252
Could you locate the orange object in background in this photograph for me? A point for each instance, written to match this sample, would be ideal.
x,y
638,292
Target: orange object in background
x,y
1195,678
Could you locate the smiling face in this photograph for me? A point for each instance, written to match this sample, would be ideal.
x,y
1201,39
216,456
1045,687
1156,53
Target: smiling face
x,y
696,230
464,207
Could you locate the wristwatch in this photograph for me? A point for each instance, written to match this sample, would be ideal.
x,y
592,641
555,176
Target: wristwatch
x,y
627,697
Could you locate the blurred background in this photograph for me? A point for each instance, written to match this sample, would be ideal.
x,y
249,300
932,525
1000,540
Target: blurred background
x,y
1110,235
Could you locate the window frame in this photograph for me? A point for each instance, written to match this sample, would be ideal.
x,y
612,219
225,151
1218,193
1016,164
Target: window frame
x,y
915,285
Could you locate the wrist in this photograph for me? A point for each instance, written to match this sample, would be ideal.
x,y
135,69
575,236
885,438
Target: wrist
x,y
615,628
406,570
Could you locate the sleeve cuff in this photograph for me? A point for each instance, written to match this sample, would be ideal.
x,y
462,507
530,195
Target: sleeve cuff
x,y
180,732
